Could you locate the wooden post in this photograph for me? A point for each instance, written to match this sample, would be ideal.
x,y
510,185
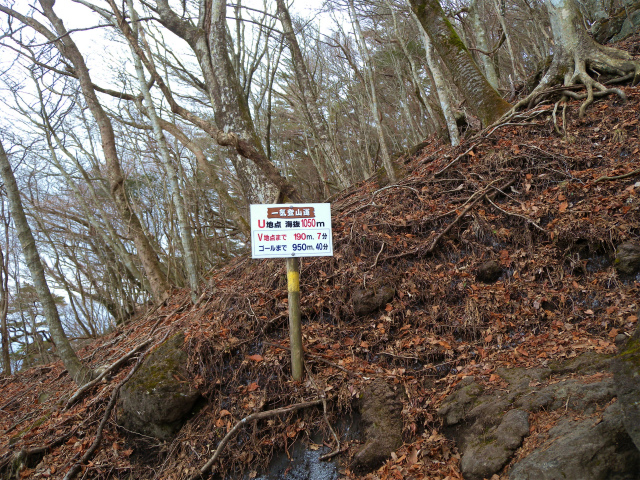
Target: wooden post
x,y
295,326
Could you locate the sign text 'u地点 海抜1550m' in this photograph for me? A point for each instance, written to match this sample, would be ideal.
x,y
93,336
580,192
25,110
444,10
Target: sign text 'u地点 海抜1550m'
x,y
298,230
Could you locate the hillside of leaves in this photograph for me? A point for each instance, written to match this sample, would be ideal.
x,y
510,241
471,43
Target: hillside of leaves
x,y
549,203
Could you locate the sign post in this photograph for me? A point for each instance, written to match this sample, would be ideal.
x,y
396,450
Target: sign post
x,y
295,324
291,232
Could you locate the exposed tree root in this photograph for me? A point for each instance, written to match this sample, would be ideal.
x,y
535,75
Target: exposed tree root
x,y
253,417
596,58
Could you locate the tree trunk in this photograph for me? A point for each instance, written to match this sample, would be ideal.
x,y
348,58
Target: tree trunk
x,y
185,234
441,91
80,373
483,100
575,52
4,293
481,40
310,107
377,115
151,264
234,126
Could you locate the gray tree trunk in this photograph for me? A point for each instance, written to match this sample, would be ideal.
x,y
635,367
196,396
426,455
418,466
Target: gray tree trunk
x,y
575,51
310,107
441,90
80,373
481,39
483,100
234,126
377,116
186,237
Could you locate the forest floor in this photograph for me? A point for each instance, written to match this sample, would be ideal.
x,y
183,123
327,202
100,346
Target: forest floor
x,y
550,206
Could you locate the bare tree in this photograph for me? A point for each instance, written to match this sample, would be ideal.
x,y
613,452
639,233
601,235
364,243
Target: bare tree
x,y
79,372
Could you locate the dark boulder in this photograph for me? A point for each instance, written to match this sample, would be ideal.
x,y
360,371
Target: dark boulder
x,y
489,272
628,258
381,411
594,449
366,301
156,400
626,376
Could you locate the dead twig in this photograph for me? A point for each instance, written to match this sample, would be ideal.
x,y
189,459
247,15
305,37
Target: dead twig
x,y
446,167
96,442
378,256
511,214
253,417
618,177
104,373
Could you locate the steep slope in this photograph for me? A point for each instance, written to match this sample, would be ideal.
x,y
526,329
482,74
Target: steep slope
x,y
501,253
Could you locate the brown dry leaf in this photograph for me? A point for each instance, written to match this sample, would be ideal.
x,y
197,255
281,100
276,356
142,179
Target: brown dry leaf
x,y
389,307
563,206
255,358
224,413
253,387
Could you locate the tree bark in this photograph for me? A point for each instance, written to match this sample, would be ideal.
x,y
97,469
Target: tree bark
x,y
483,100
79,372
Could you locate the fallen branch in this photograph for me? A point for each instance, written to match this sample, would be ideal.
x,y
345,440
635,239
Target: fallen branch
x,y
451,225
253,417
619,177
106,371
446,167
112,402
528,220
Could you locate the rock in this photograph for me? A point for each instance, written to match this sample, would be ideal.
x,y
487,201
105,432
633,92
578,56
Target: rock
x,y
619,25
628,258
626,374
483,432
578,450
620,339
585,364
157,398
489,272
382,415
487,454
489,425
369,300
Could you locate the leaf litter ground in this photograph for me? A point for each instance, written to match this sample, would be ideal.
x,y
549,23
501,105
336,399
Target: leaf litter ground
x,y
542,202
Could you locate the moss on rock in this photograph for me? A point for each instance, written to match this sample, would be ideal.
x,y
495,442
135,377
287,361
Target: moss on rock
x,y
157,398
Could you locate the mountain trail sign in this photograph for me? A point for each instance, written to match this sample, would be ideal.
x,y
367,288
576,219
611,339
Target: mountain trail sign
x,y
291,230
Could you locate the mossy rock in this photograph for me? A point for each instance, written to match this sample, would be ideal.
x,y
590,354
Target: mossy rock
x,y
627,259
156,400
381,410
626,375
369,300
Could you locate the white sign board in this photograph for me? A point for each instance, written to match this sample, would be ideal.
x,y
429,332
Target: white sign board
x,y
291,230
